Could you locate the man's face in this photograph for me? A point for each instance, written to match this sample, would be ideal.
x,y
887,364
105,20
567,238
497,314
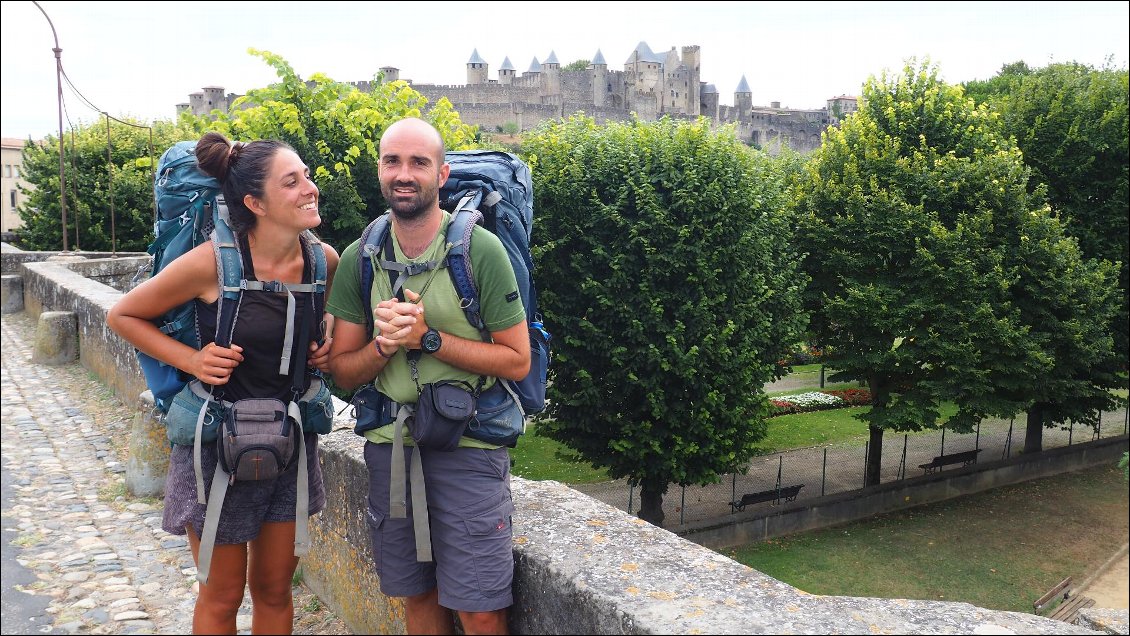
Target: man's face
x,y
411,173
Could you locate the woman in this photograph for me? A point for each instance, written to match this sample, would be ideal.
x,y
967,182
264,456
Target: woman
x,y
271,202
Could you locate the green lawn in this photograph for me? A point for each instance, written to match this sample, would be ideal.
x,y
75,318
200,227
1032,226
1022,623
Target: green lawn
x,y
801,430
1000,549
540,458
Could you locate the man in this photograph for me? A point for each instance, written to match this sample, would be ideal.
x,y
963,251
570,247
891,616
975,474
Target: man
x,y
425,332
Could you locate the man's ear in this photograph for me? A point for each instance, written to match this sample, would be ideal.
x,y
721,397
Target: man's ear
x,y
444,173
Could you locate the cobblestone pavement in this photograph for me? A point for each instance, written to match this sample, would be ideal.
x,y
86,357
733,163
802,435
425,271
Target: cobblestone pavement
x,y
98,554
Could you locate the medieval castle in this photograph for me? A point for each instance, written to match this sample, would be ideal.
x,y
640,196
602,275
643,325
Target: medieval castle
x,y
651,85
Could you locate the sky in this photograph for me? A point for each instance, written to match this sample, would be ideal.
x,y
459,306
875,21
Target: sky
x,y
140,59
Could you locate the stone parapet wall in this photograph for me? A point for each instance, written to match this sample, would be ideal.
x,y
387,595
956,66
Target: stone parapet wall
x,y
584,567
57,286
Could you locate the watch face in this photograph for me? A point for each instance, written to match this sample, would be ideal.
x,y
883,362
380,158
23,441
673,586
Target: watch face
x,y
431,341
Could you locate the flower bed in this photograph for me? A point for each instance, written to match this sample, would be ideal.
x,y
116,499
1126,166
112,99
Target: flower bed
x,y
818,401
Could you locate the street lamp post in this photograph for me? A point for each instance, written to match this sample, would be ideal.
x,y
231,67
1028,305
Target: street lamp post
x,y
59,80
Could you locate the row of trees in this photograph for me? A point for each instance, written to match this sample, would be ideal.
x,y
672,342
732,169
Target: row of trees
x,y
940,273
920,246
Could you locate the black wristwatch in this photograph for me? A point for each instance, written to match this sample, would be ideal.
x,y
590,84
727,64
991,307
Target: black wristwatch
x,y
431,341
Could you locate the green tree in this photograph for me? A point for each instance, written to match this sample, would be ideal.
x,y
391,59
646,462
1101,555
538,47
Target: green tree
x,y
983,90
94,182
1072,123
665,269
897,209
1067,303
576,65
336,129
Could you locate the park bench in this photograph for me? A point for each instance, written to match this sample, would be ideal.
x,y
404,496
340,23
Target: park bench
x,y
1069,605
788,493
966,458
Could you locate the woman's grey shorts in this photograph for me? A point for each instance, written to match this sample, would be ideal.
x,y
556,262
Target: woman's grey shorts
x,y
247,505
469,506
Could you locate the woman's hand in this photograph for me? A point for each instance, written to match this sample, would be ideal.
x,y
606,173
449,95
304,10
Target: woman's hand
x,y
213,364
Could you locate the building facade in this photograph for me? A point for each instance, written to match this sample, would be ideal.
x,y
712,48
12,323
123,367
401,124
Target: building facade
x,y
651,85
13,181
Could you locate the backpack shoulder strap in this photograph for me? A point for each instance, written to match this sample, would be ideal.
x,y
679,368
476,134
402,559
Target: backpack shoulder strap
x,y
368,250
459,266
229,272
318,271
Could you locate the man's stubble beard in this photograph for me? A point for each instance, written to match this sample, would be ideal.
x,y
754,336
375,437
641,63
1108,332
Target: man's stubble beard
x,y
418,207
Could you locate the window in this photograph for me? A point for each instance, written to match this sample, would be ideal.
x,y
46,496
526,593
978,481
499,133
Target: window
x,y
12,198
7,171
16,171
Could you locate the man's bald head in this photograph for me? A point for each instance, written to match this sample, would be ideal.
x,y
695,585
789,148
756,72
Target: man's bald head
x,y
414,130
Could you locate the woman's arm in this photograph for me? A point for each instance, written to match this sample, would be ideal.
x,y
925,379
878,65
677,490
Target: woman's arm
x,y
189,277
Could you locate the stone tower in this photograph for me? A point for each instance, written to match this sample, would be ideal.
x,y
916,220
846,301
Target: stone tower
x,y
535,70
214,98
693,61
476,69
551,75
391,73
599,80
506,72
710,98
743,98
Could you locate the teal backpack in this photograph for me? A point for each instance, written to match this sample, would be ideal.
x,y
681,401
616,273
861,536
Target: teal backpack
x,y
190,210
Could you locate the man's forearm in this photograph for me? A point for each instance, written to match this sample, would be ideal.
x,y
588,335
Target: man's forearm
x,y
351,370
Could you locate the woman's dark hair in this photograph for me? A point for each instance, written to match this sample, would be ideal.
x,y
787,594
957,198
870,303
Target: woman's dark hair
x,y
241,168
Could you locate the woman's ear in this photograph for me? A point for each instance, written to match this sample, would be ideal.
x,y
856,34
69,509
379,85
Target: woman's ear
x,y
255,205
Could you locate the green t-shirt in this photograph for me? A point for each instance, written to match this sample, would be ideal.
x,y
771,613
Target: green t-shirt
x,y
500,302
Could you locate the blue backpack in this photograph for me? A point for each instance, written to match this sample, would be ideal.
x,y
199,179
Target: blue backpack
x,y
190,210
493,189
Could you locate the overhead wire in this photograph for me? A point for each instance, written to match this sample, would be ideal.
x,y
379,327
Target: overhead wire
x,y
109,163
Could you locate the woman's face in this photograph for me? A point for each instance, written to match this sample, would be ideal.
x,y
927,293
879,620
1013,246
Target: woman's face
x,y
289,196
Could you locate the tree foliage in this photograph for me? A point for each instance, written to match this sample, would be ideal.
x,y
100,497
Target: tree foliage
x,y
937,275
665,268
108,198
1072,123
576,65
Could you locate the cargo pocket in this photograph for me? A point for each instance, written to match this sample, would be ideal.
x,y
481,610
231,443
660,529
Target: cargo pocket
x,y
374,520
491,542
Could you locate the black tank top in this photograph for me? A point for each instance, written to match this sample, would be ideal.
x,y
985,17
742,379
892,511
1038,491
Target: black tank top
x,y
260,328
